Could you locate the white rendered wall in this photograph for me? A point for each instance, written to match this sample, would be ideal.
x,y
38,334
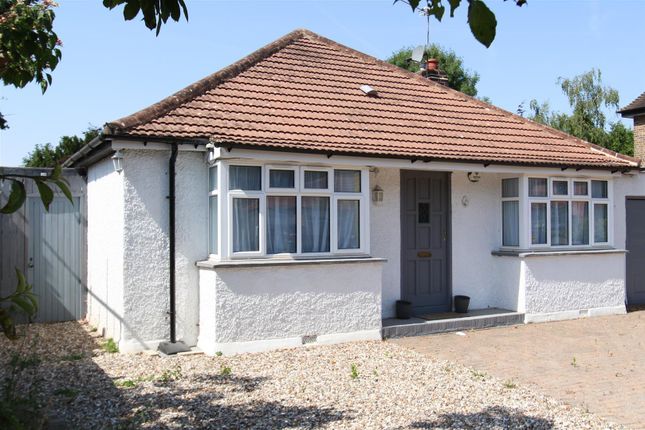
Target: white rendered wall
x,y
146,294
476,231
243,305
569,286
105,248
385,234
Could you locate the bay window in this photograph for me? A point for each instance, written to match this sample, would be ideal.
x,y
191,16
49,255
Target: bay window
x,y
275,210
559,212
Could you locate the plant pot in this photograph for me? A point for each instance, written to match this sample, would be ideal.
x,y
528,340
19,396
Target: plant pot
x,y
432,64
461,304
403,309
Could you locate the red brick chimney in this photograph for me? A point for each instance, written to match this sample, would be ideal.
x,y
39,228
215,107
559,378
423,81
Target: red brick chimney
x,y
636,110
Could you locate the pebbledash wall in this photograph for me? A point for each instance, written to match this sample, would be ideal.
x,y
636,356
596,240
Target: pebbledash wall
x,y
105,248
246,307
128,246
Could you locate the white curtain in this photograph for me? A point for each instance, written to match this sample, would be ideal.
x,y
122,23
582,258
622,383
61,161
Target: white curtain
x,y
316,180
212,231
348,224
315,224
537,187
245,178
511,223
538,223
347,181
281,178
246,225
580,223
600,223
559,223
580,188
281,224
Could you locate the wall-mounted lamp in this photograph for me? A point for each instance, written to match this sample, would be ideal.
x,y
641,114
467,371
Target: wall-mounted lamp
x,y
117,160
474,176
377,194
210,152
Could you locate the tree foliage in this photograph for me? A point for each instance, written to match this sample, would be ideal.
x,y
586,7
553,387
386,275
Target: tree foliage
x,y
481,20
29,47
459,78
49,156
589,101
154,12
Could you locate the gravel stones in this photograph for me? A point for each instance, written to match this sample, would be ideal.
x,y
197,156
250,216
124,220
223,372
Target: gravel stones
x,y
311,387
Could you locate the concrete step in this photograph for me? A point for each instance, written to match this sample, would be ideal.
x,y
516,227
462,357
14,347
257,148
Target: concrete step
x,y
393,328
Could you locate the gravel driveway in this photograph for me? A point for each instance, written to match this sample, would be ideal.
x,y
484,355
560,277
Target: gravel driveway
x,y
363,385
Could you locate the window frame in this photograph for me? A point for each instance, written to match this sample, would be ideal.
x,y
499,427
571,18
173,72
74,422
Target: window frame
x,y
225,209
330,179
273,190
569,198
214,193
517,199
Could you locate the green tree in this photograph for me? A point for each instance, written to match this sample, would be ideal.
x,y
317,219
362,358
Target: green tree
x,y
459,78
29,47
49,156
589,101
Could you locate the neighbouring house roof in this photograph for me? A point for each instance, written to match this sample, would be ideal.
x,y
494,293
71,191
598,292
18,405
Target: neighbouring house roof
x,y
634,108
302,93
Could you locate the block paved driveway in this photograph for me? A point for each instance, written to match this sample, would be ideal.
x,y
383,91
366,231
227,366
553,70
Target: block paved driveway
x,y
595,363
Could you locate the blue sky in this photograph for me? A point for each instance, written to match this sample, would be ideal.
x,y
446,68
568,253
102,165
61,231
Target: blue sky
x,y
112,68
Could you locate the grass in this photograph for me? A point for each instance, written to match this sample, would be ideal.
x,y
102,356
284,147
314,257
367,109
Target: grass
x,y
170,375
73,357
110,346
226,371
354,371
126,383
574,363
509,384
478,375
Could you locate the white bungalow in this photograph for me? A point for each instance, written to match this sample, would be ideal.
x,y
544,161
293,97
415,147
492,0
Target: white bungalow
x,y
295,196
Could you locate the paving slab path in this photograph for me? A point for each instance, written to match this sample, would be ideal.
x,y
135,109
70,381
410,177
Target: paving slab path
x,y
597,363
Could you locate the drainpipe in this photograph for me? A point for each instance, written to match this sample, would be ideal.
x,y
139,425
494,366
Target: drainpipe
x,y
172,347
171,238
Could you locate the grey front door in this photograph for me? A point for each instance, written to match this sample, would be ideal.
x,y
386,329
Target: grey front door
x,y
636,251
54,263
425,212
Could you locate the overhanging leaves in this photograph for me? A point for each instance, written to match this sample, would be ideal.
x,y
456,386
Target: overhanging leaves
x,y
46,193
16,197
155,12
482,21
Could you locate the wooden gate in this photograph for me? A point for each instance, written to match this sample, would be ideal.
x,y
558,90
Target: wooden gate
x,y
48,247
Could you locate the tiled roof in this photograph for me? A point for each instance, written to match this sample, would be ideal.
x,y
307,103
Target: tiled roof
x,y
302,93
637,106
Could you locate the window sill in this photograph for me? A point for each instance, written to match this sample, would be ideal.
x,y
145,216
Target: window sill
x,y
524,253
269,262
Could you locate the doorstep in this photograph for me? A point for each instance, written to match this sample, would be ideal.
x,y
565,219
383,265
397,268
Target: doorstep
x,y
449,321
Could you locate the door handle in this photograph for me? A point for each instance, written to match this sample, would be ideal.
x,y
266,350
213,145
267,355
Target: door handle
x,y
31,263
424,254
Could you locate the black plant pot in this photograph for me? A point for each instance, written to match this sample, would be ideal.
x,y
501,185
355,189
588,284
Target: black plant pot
x,y
403,309
461,304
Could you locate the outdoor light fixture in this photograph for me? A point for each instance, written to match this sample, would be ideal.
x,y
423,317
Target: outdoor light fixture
x,y
210,152
117,160
377,194
474,176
